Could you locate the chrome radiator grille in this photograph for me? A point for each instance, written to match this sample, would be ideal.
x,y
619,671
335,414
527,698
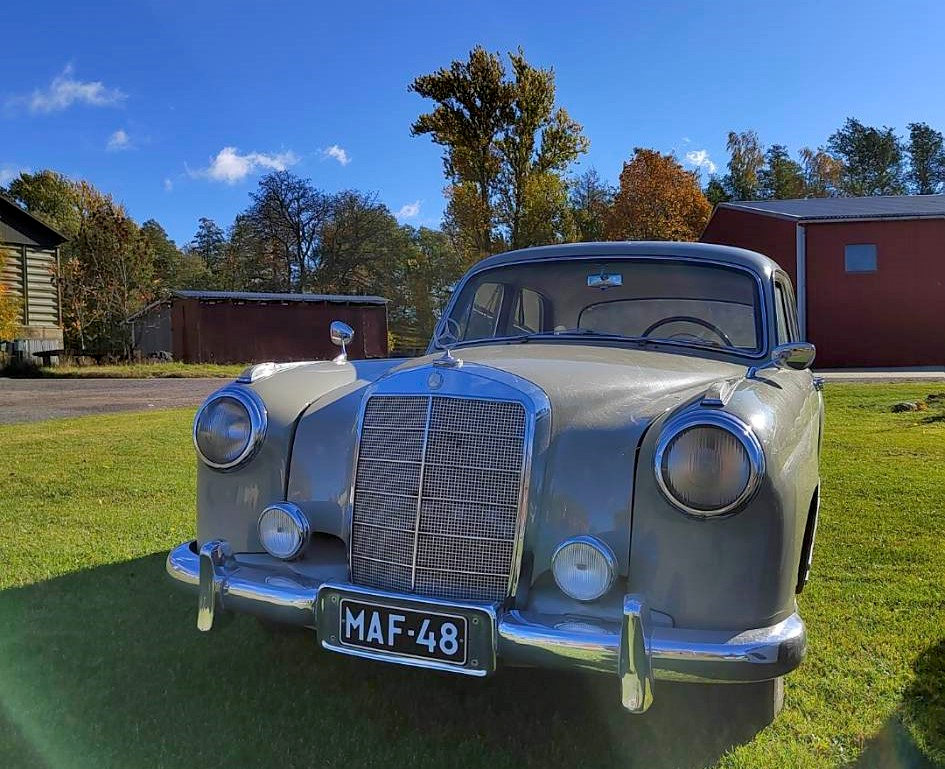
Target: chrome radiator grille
x,y
436,495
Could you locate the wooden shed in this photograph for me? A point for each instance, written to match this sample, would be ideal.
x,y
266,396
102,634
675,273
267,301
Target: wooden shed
x,y
246,327
29,250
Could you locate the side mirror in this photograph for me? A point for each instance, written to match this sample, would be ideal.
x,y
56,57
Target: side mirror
x,y
341,335
796,356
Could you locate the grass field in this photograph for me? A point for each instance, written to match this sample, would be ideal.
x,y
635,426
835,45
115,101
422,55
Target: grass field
x,y
100,664
133,371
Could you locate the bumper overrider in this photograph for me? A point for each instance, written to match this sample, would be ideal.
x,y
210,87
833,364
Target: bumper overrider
x,y
634,649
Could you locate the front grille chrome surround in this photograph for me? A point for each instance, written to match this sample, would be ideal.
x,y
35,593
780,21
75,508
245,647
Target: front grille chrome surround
x,y
437,495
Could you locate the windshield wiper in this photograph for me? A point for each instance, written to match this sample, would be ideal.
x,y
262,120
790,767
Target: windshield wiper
x,y
570,333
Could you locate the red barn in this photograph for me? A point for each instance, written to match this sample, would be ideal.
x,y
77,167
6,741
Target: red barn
x,y
245,327
869,272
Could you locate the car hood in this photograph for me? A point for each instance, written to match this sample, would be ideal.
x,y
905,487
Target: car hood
x,y
602,400
600,386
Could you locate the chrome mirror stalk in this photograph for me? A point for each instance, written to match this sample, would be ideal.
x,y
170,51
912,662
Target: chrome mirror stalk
x,y
341,335
796,356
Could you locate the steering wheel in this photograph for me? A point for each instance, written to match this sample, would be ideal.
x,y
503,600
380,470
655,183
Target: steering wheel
x,y
689,319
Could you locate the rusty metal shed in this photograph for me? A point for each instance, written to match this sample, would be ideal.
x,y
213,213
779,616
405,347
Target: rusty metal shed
x,y
247,327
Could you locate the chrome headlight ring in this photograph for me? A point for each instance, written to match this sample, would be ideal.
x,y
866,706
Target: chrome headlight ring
x,y
258,421
724,421
601,550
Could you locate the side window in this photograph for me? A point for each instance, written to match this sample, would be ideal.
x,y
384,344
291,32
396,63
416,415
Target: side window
x,y
859,257
785,313
484,312
528,316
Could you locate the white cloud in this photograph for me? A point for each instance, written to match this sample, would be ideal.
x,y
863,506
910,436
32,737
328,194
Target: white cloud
x,y
118,141
65,90
230,166
338,153
168,184
408,210
8,173
701,159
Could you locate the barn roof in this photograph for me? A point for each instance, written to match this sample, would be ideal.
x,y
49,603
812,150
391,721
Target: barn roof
x,y
876,207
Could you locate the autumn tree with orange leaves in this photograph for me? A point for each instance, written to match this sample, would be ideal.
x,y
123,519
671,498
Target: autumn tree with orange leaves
x,y
657,200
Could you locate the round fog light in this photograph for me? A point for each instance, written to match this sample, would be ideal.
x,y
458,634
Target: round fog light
x,y
584,567
283,530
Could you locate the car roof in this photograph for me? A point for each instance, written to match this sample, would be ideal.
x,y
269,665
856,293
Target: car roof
x,y
738,257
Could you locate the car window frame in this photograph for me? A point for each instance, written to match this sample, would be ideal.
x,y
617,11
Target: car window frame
x,y
761,280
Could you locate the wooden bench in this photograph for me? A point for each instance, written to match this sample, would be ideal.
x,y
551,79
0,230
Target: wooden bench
x,y
47,355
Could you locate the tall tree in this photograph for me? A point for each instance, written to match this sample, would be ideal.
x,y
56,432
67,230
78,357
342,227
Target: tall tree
x,y
657,200
503,139
360,243
424,275
926,174
590,198
51,196
872,159
746,159
716,191
289,212
780,178
822,173
173,268
208,242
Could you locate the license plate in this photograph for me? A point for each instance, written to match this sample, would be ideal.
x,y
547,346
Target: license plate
x,y
419,634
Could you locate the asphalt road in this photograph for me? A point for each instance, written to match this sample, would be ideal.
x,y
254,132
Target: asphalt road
x,y
30,400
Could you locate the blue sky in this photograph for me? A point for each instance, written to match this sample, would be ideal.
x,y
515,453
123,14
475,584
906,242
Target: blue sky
x,y
176,108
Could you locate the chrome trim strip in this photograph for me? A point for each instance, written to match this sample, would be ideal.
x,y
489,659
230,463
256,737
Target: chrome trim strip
x,y
425,441
258,420
725,421
764,282
677,654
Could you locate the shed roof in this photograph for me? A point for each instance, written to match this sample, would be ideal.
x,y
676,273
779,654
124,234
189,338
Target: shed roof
x,y
257,296
20,226
876,207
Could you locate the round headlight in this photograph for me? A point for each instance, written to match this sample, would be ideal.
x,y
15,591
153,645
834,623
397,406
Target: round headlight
x,y
708,463
229,427
283,530
583,568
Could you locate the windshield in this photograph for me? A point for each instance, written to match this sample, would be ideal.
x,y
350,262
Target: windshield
x,y
658,300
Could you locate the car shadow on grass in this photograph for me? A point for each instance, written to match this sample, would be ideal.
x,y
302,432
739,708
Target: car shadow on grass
x,y
923,709
105,668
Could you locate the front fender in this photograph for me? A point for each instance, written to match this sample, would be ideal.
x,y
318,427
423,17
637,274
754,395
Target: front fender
x,y
738,570
229,503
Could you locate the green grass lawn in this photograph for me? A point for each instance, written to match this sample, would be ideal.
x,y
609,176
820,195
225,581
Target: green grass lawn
x,y
101,666
134,371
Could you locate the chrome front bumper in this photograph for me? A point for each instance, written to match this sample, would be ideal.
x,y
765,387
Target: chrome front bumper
x,y
634,649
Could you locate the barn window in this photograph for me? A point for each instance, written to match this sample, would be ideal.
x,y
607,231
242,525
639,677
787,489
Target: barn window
x,y
860,257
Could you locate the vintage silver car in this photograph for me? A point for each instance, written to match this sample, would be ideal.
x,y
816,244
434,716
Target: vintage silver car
x,y
606,461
